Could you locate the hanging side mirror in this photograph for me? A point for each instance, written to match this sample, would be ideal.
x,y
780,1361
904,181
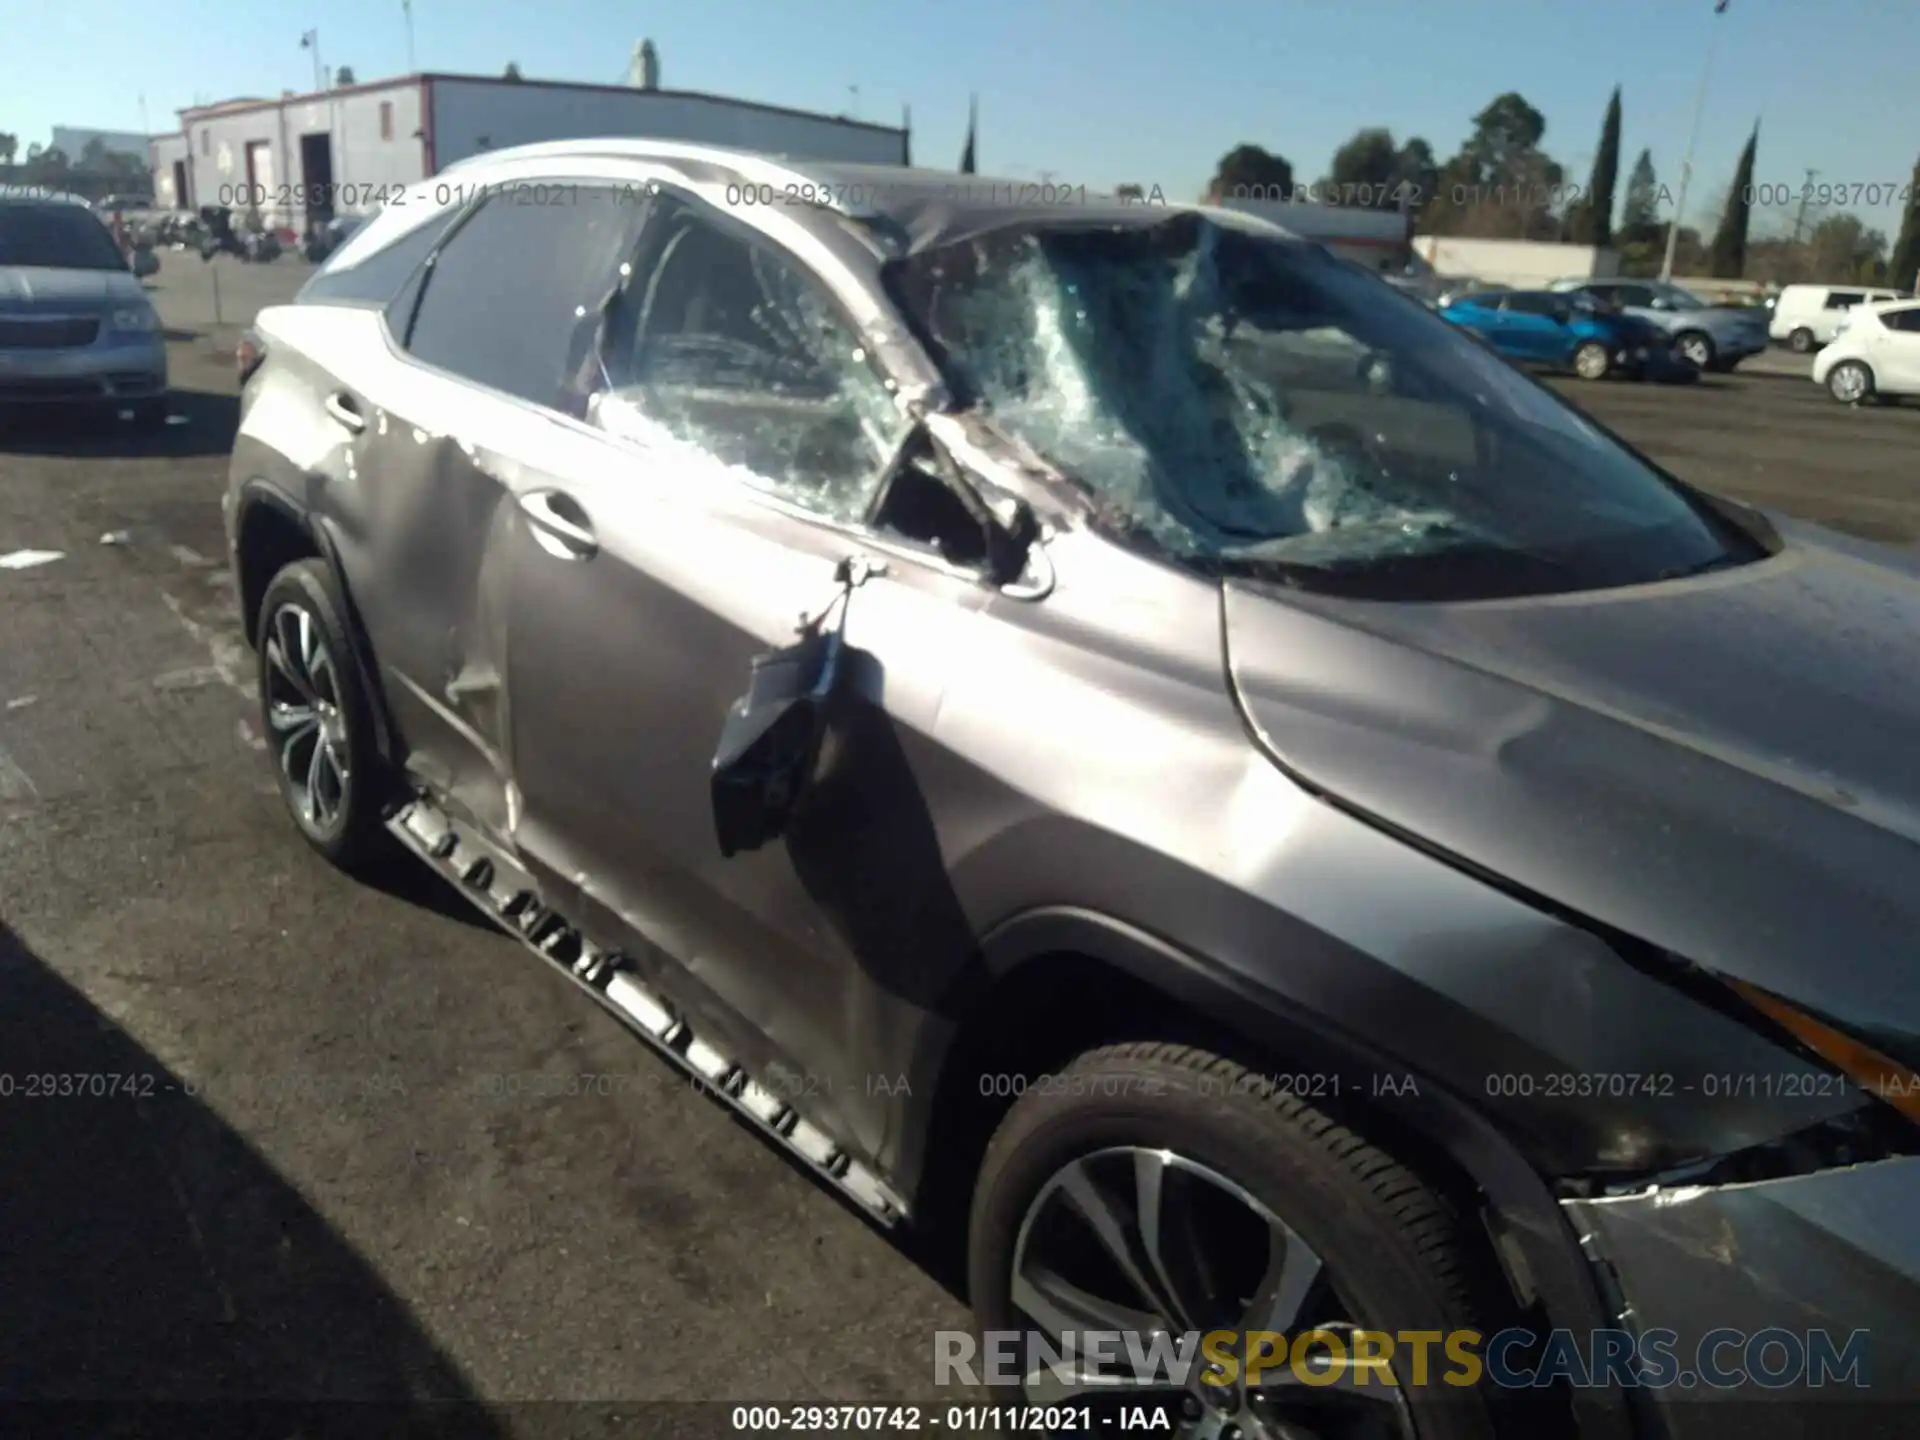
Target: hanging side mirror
x,y
770,743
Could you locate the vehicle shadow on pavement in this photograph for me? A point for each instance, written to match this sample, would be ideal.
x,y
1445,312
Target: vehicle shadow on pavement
x,y
150,1255
407,880
199,422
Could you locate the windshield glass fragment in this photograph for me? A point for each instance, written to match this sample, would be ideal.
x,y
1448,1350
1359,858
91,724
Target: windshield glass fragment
x,y
1239,399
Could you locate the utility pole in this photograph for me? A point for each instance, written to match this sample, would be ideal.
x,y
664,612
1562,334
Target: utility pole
x,y
1693,133
1800,220
311,41
406,12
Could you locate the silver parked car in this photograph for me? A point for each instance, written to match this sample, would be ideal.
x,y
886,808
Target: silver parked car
x,y
1247,832
1708,337
76,326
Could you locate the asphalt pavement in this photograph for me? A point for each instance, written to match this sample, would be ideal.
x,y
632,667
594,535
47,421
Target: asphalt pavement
x,y
268,1132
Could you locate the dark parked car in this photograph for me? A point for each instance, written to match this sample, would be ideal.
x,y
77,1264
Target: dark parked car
x,y
1267,819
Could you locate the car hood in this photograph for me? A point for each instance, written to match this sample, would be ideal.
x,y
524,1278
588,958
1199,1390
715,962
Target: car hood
x,y
25,286
1726,767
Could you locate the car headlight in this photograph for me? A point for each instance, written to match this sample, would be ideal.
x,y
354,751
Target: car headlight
x,y
141,320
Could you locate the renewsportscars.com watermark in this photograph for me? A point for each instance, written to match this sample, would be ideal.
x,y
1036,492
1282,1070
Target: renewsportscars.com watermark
x,y
1516,1359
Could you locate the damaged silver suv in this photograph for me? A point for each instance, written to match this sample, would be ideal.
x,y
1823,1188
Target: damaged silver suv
x,y
1123,742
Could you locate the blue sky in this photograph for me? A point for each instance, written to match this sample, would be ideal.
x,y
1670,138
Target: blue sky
x,y
1100,91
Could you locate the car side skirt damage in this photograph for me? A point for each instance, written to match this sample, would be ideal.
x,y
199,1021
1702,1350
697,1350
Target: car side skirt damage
x,y
507,895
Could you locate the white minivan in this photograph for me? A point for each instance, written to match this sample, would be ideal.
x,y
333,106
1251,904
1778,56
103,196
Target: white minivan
x,y
1809,316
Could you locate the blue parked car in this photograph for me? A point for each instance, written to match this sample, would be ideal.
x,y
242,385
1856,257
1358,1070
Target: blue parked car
x,y
1567,332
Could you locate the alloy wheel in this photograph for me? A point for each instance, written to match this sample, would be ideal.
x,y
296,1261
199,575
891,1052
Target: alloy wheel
x,y
307,719
1698,351
1158,1247
1590,362
1848,384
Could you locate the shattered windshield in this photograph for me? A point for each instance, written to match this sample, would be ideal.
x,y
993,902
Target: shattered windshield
x,y
1246,401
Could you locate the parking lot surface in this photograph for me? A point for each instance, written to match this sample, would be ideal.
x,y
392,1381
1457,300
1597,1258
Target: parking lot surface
x,y
327,1140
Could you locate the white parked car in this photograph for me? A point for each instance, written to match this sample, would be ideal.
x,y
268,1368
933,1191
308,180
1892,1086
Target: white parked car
x,y
1809,316
1876,353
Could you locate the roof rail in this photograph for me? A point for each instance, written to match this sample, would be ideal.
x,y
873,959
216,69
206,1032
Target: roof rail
x,y
748,164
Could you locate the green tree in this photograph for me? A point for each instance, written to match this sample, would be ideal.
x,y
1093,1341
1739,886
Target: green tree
x,y
1729,254
1590,219
1843,248
512,72
9,147
1904,268
1371,169
1640,210
1500,182
1249,172
47,165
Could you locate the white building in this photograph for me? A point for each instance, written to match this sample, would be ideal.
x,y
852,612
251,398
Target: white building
x,y
1522,264
301,158
1375,239
72,140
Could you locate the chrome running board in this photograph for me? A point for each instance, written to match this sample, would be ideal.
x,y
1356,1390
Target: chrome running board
x,y
504,893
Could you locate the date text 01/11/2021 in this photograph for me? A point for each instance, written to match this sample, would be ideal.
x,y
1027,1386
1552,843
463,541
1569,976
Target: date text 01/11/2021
x,y
975,1419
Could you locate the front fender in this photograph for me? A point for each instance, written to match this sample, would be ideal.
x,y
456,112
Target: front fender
x,y
1524,1208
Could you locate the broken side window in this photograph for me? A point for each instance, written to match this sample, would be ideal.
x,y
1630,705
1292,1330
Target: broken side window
x,y
722,344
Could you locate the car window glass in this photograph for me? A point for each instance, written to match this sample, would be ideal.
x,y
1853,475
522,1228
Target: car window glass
x,y
1537,304
56,235
1905,320
378,278
723,344
1638,295
504,302
1241,402
1841,299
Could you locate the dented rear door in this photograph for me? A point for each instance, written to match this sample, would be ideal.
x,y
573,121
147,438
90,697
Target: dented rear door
x,y
457,427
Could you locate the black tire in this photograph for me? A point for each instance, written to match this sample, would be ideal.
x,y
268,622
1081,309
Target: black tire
x,y
1688,340
1801,341
353,835
1396,1246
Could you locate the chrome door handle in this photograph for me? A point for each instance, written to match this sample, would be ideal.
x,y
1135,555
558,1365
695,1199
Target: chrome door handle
x,y
341,408
560,525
